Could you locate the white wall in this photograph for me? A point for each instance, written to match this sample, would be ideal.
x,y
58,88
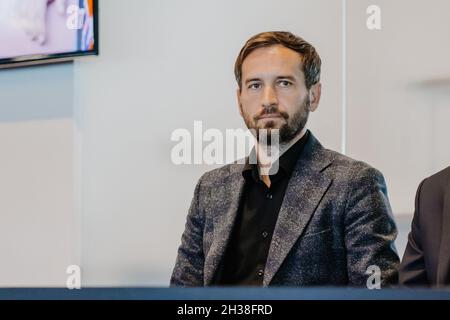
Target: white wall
x,y
37,215
399,92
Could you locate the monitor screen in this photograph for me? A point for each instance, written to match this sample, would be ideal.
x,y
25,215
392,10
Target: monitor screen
x,y
42,31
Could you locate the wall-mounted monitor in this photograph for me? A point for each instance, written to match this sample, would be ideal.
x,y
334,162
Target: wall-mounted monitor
x,y
45,31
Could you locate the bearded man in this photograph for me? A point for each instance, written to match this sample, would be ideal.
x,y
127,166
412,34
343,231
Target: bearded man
x,y
319,219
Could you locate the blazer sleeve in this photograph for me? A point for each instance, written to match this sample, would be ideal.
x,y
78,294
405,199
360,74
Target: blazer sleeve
x,y
412,268
188,270
370,230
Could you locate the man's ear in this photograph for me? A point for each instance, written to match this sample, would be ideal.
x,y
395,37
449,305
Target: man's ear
x,y
238,94
314,96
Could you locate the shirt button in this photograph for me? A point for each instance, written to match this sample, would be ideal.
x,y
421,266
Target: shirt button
x,y
269,196
265,234
260,273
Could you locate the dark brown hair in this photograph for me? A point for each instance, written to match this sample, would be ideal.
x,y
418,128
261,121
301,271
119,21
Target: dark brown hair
x,y
310,57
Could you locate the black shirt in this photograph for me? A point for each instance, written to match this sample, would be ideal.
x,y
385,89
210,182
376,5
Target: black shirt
x,y
246,254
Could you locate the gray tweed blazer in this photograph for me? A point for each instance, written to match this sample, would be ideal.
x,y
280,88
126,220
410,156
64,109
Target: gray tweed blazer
x,y
334,223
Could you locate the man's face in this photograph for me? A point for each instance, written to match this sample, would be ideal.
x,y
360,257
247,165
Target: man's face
x,y
273,93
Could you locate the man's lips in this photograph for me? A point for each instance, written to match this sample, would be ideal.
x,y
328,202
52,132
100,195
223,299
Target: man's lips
x,y
270,116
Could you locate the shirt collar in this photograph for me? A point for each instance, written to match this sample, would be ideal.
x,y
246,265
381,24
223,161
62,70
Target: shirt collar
x,y
286,162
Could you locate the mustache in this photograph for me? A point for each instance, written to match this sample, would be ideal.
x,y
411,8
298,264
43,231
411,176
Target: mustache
x,y
271,111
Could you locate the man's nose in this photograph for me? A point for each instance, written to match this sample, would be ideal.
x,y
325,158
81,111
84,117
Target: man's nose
x,y
269,98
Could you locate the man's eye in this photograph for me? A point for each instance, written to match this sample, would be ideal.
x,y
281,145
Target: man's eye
x,y
285,83
254,86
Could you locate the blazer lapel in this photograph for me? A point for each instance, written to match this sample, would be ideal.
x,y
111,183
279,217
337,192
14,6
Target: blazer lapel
x,y
223,221
443,273
304,192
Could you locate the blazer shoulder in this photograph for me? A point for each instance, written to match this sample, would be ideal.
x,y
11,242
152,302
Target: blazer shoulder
x,y
435,185
348,167
441,178
219,175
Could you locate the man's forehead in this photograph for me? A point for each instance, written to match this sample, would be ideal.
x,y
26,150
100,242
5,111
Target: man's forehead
x,y
273,59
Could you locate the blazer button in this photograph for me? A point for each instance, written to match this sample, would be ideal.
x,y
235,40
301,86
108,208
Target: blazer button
x,y
265,234
269,196
260,273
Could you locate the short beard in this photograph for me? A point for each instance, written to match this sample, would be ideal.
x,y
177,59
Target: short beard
x,y
288,131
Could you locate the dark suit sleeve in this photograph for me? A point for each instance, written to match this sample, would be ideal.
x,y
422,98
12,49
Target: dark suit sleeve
x,y
188,270
412,268
370,230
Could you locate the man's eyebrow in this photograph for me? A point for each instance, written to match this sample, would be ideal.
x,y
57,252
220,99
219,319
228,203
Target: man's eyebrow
x,y
251,80
292,78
